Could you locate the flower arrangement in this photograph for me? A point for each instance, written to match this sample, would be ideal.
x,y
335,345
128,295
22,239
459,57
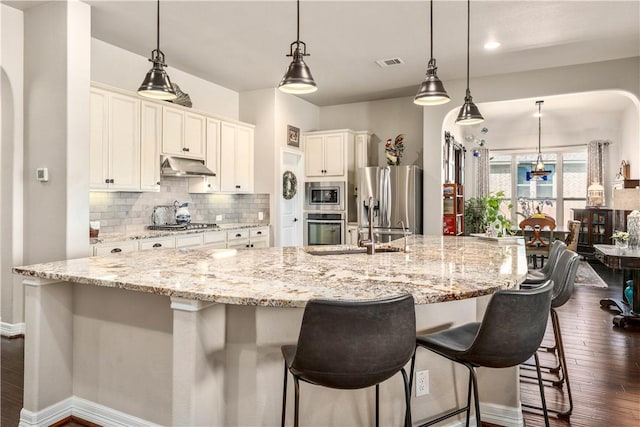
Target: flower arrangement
x,y
394,151
529,208
620,236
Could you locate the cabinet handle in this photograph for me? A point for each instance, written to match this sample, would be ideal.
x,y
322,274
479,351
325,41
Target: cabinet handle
x,y
158,183
185,149
238,235
252,245
116,250
259,233
157,245
111,181
237,186
295,219
106,181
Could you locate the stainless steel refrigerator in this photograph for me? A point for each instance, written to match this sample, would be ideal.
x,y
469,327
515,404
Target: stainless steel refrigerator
x,y
397,200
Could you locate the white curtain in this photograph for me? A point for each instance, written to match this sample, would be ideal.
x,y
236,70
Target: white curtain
x,y
596,161
482,171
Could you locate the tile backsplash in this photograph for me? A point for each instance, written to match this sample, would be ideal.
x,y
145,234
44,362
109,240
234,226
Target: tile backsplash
x,y
122,212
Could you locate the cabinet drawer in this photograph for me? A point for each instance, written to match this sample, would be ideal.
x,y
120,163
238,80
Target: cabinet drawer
x,y
259,232
116,248
238,244
237,235
182,242
159,243
215,237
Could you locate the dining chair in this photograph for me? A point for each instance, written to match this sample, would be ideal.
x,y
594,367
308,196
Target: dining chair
x,y
574,232
538,245
352,345
511,331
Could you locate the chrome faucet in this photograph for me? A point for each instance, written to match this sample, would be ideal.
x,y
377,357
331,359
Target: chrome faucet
x,y
404,233
369,243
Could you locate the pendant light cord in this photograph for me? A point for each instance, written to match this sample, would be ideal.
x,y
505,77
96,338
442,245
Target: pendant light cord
x,y
539,126
431,26
158,25
298,27
468,40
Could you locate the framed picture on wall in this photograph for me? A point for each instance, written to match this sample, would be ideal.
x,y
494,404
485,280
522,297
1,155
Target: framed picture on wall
x,y
293,136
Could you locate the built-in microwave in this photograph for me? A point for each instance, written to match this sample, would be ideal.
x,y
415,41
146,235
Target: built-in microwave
x,y
324,196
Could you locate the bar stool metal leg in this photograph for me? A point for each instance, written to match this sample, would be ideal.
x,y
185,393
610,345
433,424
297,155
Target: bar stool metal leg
x,y
284,396
297,401
377,405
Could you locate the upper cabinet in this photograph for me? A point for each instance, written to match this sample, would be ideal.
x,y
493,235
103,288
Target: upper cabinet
x,y
183,133
114,162
236,158
325,154
209,184
150,138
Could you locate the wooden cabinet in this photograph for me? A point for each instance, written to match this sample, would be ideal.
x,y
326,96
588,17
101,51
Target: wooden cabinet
x,y
150,140
596,228
114,142
236,158
209,184
183,133
325,154
453,209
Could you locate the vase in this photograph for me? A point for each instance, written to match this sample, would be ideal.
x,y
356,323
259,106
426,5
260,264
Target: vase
x,y
622,244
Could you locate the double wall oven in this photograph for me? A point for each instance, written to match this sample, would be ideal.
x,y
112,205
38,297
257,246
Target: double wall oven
x,y
325,215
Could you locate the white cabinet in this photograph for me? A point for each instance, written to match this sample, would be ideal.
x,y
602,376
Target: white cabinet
x,y
352,235
164,242
150,140
259,237
215,240
238,239
362,154
189,240
183,133
236,158
326,154
116,247
114,145
209,184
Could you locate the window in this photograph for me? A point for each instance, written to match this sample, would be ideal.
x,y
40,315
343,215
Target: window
x,y
563,189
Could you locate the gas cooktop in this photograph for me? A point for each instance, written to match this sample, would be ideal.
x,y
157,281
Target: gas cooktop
x,y
181,227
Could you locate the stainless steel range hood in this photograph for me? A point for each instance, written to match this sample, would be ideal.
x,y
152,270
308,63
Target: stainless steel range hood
x,y
179,166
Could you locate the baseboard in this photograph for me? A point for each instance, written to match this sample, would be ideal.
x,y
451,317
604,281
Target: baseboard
x,y
502,415
83,409
11,330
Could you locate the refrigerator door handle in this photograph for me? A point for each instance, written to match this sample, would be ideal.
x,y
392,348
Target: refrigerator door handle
x,y
387,197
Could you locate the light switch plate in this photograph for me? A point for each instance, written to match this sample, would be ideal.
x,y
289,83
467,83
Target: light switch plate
x,y
42,174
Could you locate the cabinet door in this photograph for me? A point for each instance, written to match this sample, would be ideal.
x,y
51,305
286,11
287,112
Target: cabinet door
x,y
361,151
313,155
227,156
212,159
150,139
172,131
334,155
99,141
244,160
124,142
194,135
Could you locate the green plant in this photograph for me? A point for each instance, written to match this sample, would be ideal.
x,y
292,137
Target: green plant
x,y
483,213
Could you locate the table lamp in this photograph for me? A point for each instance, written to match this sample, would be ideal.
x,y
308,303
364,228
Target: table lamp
x,y
628,199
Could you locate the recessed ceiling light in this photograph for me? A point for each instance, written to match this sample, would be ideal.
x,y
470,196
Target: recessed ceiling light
x,y
491,45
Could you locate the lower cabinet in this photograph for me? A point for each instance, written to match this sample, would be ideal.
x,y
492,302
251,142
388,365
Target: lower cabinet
x,y
245,238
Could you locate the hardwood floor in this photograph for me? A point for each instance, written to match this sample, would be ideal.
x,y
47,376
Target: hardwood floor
x,y
603,364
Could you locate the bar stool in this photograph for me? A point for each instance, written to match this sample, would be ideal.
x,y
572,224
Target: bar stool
x,y
543,274
352,345
563,277
510,333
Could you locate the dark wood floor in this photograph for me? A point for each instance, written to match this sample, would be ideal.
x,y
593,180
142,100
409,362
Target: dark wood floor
x,y
603,361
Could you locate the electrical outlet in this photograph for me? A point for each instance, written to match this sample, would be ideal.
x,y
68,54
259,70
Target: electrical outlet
x,y
260,216
422,383
218,217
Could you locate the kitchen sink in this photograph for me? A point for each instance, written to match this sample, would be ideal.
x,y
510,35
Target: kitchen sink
x,y
351,251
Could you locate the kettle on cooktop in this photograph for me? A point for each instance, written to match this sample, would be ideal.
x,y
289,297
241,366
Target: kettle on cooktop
x,y
182,212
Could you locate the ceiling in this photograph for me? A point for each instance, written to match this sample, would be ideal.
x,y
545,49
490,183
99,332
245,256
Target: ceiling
x,y
241,45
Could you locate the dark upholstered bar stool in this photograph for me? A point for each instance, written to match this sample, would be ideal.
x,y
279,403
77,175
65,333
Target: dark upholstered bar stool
x,y
510,333
543,274
352,345
563,277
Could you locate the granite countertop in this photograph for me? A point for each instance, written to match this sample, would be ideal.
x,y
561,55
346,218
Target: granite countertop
x,y
436,269
151,234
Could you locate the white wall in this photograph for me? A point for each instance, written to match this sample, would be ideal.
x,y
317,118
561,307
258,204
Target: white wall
x,y
120,68
11,158
385,119
630,141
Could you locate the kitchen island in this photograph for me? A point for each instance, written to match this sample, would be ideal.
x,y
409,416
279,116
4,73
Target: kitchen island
x,y
192,336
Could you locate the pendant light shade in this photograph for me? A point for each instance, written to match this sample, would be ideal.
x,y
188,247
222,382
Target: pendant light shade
x,y
156,84
469,113
431,91
538,169
298,78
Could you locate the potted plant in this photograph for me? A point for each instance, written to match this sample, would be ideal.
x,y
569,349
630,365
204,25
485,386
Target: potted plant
x,y
483,214
620,239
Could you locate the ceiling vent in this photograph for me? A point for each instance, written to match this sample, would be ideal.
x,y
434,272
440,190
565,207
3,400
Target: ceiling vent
x,y
384,63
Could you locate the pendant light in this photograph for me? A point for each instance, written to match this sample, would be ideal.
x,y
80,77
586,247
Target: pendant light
x,y
156,84
431,91
538,169
298,78
469,113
